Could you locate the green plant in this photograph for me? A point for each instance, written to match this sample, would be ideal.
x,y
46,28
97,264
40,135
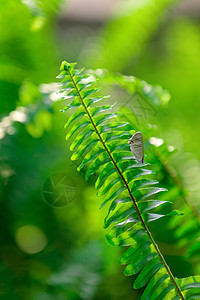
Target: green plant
x,y
102,142
185,229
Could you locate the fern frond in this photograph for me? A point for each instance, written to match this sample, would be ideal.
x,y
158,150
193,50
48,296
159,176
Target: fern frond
x,y
155,95
125,185
186,229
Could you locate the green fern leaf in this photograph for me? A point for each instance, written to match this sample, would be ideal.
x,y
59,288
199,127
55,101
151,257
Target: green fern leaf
x,y
125,186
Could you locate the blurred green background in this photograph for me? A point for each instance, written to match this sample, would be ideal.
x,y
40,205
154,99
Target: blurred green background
x,y
52,239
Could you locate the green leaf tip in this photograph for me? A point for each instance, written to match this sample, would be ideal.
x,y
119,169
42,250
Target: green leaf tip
x,y
65,66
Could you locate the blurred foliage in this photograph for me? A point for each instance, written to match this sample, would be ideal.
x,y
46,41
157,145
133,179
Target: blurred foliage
x,y
152,41
42,8
24,51
177,70
128,32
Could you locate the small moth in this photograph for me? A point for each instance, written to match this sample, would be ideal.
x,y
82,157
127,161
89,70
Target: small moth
x,y
136,145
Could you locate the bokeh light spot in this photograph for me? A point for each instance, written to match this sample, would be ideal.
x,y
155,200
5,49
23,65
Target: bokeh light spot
x,y
30,239
156,141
